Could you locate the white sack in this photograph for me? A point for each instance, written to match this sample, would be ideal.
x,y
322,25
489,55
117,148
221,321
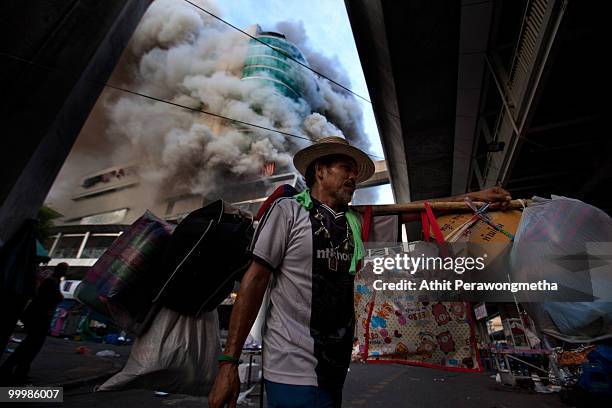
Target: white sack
x,y
177,354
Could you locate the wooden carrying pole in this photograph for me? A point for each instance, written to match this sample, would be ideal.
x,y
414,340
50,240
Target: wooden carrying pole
x,y
436,205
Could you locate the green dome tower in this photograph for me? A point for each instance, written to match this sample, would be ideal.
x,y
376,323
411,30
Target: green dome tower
x,y
272,66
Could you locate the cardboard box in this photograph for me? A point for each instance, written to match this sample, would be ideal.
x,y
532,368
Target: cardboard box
x,y
480,236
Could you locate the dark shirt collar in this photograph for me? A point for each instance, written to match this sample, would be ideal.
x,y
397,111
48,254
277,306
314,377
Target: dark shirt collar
x,y
335,214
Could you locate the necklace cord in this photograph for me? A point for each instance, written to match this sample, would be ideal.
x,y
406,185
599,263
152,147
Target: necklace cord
x,y
305,201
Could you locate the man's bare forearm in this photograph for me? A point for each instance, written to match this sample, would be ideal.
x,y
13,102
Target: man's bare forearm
x,y
252,289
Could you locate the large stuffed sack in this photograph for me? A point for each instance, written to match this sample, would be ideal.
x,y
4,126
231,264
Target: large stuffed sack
x,y
177,354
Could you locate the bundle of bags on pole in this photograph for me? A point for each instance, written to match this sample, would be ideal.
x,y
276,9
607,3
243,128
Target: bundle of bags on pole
x,y
559,240
163,283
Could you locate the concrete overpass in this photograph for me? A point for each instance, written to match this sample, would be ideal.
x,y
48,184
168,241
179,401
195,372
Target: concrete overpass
x,y
474,93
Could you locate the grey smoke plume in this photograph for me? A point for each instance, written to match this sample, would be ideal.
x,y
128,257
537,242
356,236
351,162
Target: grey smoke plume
x,y
337,105
185,56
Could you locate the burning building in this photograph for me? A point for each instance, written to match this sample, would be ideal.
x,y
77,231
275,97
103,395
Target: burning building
x,y
271,63
211,113
102,203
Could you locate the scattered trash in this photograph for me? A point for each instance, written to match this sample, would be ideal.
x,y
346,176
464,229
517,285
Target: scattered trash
x,y
82,350
107,353
16,340
8,350
498,378
439,379
243,395
251,343
538,386
161,394
243,372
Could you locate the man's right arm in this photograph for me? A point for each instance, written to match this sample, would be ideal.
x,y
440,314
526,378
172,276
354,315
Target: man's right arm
x,y
252,289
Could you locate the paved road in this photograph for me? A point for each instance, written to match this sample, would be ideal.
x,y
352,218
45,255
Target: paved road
x,y
59,363
367,385
387,385
372,385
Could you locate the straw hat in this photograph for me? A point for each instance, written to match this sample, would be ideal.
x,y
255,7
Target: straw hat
x,y
334,145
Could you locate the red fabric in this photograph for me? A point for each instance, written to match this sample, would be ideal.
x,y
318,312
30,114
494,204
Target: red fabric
x,y
365,235
367,329
425,225
285,190
434,224
469,313
367,222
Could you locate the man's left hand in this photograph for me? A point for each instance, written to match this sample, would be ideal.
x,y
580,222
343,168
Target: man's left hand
x,y
497,196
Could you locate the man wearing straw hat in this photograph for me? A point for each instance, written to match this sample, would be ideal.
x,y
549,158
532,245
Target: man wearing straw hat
x,y
308,246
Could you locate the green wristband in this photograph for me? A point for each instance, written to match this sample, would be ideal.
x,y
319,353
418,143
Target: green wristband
x,y
226,358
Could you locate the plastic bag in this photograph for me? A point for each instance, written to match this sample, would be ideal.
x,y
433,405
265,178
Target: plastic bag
x,y
562,238
177,354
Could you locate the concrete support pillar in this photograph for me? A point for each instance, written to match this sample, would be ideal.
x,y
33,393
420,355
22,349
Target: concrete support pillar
x,y
55,56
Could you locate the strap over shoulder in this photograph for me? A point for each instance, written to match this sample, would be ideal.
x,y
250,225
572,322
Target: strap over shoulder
x,y
285,190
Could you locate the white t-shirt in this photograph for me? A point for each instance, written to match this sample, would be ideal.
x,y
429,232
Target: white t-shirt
x,y
310,321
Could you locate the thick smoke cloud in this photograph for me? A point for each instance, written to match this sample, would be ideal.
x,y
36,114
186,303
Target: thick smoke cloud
x,y
337,105
184,56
